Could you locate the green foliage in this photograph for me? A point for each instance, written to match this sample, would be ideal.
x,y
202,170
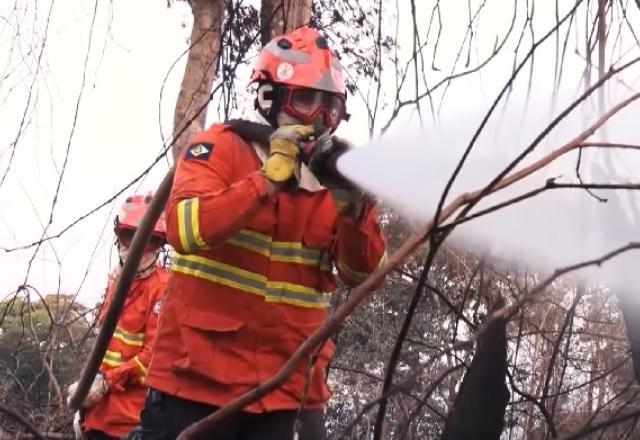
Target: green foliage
x,y
52,333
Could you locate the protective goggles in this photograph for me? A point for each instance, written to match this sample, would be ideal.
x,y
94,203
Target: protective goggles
x,y
125,236
307,104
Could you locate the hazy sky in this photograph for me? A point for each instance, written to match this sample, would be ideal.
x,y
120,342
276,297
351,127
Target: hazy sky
x,y
117,133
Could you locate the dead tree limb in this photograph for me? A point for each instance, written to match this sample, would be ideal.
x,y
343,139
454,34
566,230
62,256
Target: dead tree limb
x,y
200,70
13,414
630,307
49,436
278,17
479,408
600,426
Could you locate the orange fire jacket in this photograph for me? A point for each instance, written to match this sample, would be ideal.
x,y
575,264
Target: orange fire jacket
x,y
251,278
127,359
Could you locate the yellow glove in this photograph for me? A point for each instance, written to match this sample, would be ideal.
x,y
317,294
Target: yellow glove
x,y
285,143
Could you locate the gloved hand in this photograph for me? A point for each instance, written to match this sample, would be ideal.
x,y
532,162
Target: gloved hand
x,y
77,426
322,161
98,389
349,199
285,143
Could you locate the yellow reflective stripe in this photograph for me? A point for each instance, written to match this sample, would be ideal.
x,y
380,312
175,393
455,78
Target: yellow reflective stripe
x,y
252,241
112,358
231,276
113,354
359,276
112,363
189,225
383,261
280,251
220,273
141,366
181,226
129,338
296,294
300,303
194,205
288,252
281,285
257,235
326,264
129,335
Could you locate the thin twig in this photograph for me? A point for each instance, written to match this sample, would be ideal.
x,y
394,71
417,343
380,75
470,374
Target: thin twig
x,y
13,414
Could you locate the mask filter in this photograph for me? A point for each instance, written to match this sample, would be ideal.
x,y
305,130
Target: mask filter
x,y
147,262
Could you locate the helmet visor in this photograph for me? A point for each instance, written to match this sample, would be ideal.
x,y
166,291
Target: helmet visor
x,y
125,236
307,104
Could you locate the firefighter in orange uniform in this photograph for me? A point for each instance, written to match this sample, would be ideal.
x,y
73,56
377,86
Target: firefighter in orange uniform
x,y
256,235
112,407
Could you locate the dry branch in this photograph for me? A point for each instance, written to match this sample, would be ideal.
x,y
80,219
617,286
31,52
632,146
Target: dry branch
x,y
600,426
200,70
21,420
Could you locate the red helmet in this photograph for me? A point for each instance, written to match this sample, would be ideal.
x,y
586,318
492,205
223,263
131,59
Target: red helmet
x,y
300,58
130,215
307,73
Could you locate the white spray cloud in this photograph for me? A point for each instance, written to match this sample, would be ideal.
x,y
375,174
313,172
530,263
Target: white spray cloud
x,y
408,171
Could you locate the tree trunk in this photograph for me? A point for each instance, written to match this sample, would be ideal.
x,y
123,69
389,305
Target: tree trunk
x,y
280,16
478,412
201,68
535,385
630,307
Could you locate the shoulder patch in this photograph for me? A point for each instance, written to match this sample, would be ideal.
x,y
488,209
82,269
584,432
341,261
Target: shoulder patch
x,y
200,151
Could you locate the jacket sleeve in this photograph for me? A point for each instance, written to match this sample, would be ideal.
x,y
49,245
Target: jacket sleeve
x,y
208,202
134,371
360,247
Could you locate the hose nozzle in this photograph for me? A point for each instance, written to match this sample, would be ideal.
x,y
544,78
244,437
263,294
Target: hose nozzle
x,y
321,156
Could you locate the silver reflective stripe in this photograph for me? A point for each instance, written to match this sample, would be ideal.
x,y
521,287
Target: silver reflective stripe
x,y
252,241
276,292
312,256
359,276
335,63
221,273
327,83
129,337
281,251
237,278
188,226
188,223
293,56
